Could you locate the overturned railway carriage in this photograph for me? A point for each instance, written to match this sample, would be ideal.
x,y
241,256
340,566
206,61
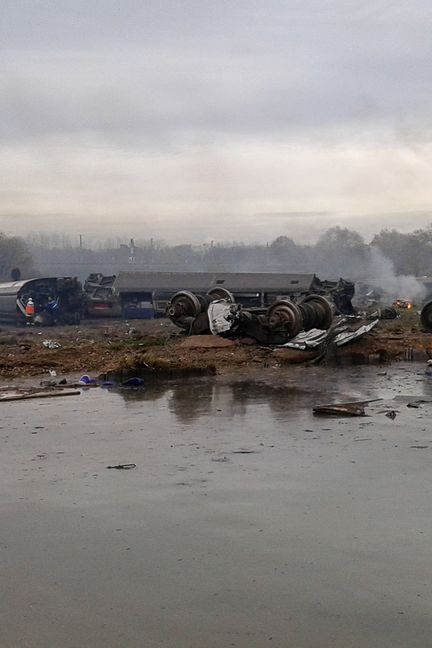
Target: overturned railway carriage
x,y
146,294
218,313
57,300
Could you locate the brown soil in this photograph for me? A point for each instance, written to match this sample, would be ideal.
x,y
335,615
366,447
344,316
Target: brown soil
x,y
107,346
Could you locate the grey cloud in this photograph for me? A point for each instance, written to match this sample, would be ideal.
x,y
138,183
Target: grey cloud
x,y
194,117
165,72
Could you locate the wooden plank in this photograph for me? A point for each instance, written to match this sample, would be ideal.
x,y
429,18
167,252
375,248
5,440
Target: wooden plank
x,y
26,396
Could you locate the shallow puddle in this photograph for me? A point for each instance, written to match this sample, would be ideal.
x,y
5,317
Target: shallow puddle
x,y
247,521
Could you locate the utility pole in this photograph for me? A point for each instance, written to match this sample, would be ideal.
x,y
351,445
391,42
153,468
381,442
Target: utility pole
x,y
81,241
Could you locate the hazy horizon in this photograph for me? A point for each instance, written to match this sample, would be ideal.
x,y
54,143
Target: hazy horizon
x,y
303,228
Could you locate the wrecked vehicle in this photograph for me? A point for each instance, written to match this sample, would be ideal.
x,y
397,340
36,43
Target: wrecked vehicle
x,y
218,313
100,299
341,292
146,294
426,316
57,300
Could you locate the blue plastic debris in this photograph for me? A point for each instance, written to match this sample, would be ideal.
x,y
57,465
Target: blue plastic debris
x,y
86,380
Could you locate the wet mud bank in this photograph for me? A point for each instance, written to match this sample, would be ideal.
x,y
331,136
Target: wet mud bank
x,y
112,347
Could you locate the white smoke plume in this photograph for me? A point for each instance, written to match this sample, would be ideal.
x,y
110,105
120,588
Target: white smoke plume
x,y
381,275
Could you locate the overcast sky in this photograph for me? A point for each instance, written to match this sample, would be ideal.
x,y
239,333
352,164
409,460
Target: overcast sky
x,y
198,120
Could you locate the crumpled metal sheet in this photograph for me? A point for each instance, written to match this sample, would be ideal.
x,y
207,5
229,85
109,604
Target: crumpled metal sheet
x,y
348,336
313,338
51,344
307,339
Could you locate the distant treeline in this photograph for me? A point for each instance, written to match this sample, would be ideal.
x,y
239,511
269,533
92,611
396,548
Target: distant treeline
x,y
338,252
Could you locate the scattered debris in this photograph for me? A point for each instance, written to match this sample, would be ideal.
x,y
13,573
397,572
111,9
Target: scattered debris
x,y
349,336
243,451
86,380
125,466
306,340
14,396
342,409
391,414
51,344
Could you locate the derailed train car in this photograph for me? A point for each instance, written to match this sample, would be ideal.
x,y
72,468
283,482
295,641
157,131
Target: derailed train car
x,y
146,294
57,300
217,312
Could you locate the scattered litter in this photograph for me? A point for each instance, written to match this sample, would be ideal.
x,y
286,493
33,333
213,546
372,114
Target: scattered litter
x,y
52,372
86,380
419,447
391,414
244,451
125,466
51,344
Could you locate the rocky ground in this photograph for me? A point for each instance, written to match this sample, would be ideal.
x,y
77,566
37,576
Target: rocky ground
x,y
108,346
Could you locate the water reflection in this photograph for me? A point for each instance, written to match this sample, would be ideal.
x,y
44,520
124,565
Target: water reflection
x,y
282,393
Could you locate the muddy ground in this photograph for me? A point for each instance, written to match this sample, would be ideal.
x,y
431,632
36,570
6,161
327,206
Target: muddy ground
x,y
107,346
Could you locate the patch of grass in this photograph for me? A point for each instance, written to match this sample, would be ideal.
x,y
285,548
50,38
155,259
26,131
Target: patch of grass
x,y
152,360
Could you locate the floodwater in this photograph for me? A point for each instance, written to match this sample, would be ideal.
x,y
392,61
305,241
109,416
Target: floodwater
x,y
247,521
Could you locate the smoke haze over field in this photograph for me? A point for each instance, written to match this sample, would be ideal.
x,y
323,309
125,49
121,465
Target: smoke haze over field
x,y
202,120
381,274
